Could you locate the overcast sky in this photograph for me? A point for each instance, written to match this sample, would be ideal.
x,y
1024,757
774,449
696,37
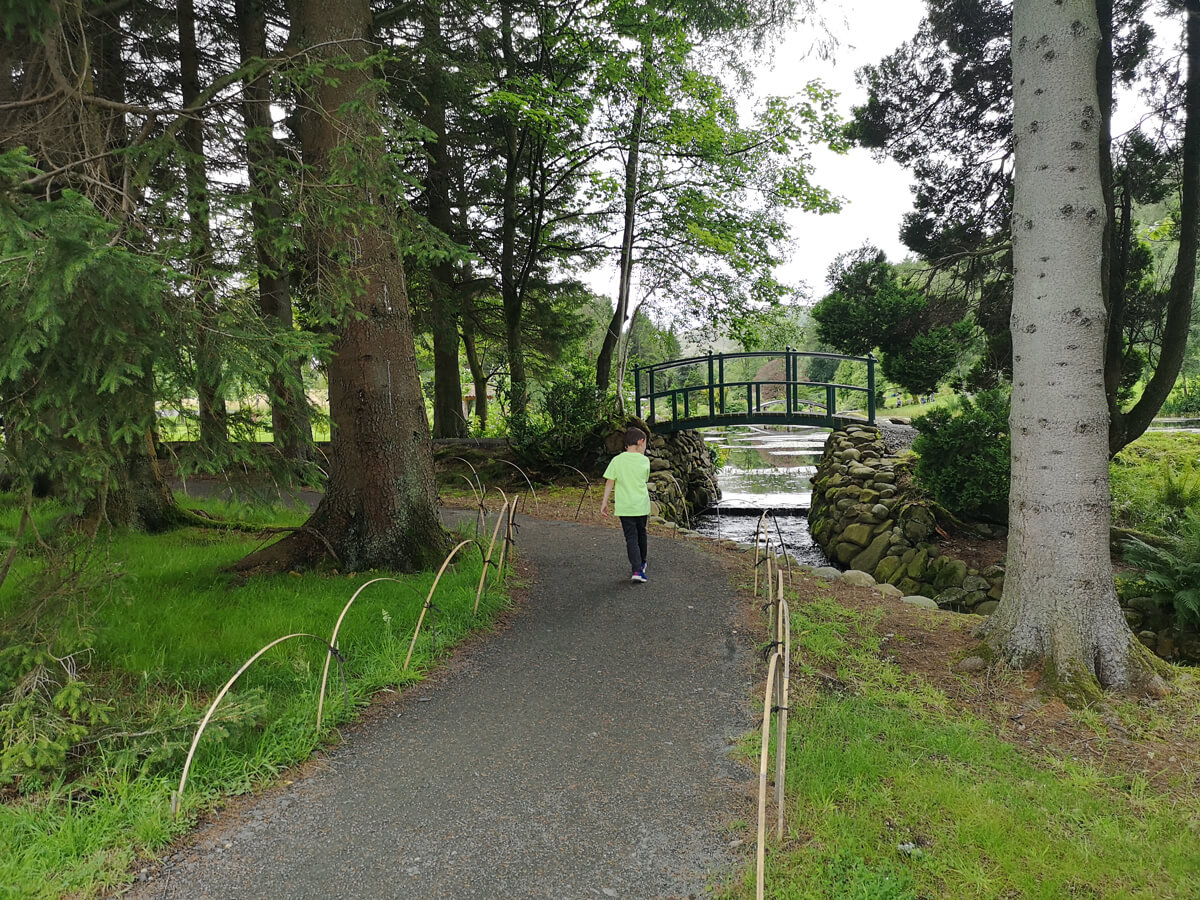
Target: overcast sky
x,y
876,194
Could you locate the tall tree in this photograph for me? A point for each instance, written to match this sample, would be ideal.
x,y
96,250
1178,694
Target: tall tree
x,y
1059,608
942,106
379,507
210,396
291,427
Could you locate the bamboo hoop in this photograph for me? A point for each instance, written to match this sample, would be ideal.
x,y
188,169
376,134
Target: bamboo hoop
x,y
587,481
757,531
782,546
508,535
333,644
760,858
488,559
177,800
527,481
782,704
429,599
479,494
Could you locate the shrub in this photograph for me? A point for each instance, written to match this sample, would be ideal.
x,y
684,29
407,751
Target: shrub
x,y
566,423
963,455
1172,571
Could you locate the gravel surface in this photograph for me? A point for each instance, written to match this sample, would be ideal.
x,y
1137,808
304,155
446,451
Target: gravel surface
x,y
583,751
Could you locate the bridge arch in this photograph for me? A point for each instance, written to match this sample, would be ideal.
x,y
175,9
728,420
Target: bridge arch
x,y
718,399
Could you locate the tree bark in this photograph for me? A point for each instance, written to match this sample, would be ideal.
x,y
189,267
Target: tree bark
x,y
510,290
213,425
625,266
448,419
291,424
1131,425
379,509
1059,609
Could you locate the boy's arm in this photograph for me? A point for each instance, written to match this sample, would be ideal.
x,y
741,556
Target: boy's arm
x,y
608,486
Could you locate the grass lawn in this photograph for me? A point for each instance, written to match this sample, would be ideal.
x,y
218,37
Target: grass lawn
x,y
153,628
906,780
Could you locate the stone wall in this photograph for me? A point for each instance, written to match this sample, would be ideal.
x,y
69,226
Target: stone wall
x,y
683,476
865,517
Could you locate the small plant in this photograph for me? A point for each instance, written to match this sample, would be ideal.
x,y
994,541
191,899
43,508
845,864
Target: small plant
x,y
963,455
1180,488
1173,571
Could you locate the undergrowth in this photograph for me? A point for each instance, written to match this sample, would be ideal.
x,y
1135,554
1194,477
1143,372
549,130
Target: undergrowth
x,y
894,793
113,653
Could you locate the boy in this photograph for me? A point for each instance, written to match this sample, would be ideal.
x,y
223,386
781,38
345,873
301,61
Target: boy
x,y
630,471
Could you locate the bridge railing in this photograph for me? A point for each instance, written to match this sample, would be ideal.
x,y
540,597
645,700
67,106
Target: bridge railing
x,y
710,397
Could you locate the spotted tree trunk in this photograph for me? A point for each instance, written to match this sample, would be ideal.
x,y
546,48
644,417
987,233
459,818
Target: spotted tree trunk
x,y
1059,610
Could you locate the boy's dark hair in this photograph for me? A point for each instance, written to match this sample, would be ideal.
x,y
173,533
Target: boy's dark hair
x,y
633,435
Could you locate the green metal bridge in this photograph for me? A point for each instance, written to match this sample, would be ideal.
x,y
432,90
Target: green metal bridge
x,y
702,391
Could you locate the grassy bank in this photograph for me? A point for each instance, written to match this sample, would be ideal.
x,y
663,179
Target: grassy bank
x,y
137,636
899,788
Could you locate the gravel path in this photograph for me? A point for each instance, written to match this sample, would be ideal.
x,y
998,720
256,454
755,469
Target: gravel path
x,y
583,751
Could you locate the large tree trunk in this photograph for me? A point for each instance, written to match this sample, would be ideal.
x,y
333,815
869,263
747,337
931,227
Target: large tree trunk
x,y
448,419
379,508
291,424
1059,609
211,399
1129,426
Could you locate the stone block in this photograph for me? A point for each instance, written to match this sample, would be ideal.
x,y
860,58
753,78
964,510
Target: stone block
x,y
858,578
886,568
859,533
918,600
869,558
975,583
917,566
829,573
951,574
845,551
986,608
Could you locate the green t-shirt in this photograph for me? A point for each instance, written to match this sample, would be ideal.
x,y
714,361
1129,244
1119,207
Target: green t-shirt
x,y
630,471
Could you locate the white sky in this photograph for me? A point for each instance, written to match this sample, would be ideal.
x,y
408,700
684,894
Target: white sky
x,y
876,194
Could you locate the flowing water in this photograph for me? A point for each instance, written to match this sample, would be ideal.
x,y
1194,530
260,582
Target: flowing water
x,y
766,469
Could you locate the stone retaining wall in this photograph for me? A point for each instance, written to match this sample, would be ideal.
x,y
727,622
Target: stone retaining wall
x,y
866,519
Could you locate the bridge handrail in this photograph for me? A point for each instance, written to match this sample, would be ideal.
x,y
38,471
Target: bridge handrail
x,y
717,387
752,354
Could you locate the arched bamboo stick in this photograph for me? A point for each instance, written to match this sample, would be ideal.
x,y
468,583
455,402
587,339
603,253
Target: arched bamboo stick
x,y
177,800
526,477
508,535
757,531
333,644
782,547
488,559
772,666
587,481
782,704
429,599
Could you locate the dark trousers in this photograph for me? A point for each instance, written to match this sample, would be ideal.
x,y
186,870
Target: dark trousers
x,y
634,528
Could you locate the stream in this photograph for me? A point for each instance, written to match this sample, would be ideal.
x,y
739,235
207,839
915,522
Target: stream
x,y
766,469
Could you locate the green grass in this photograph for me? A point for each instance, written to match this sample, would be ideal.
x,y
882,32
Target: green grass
x,y
892,792
1155,480
166,628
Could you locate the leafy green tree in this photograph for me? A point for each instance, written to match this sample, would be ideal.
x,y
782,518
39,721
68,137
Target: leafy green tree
x,y
942,106
871,306
700,196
